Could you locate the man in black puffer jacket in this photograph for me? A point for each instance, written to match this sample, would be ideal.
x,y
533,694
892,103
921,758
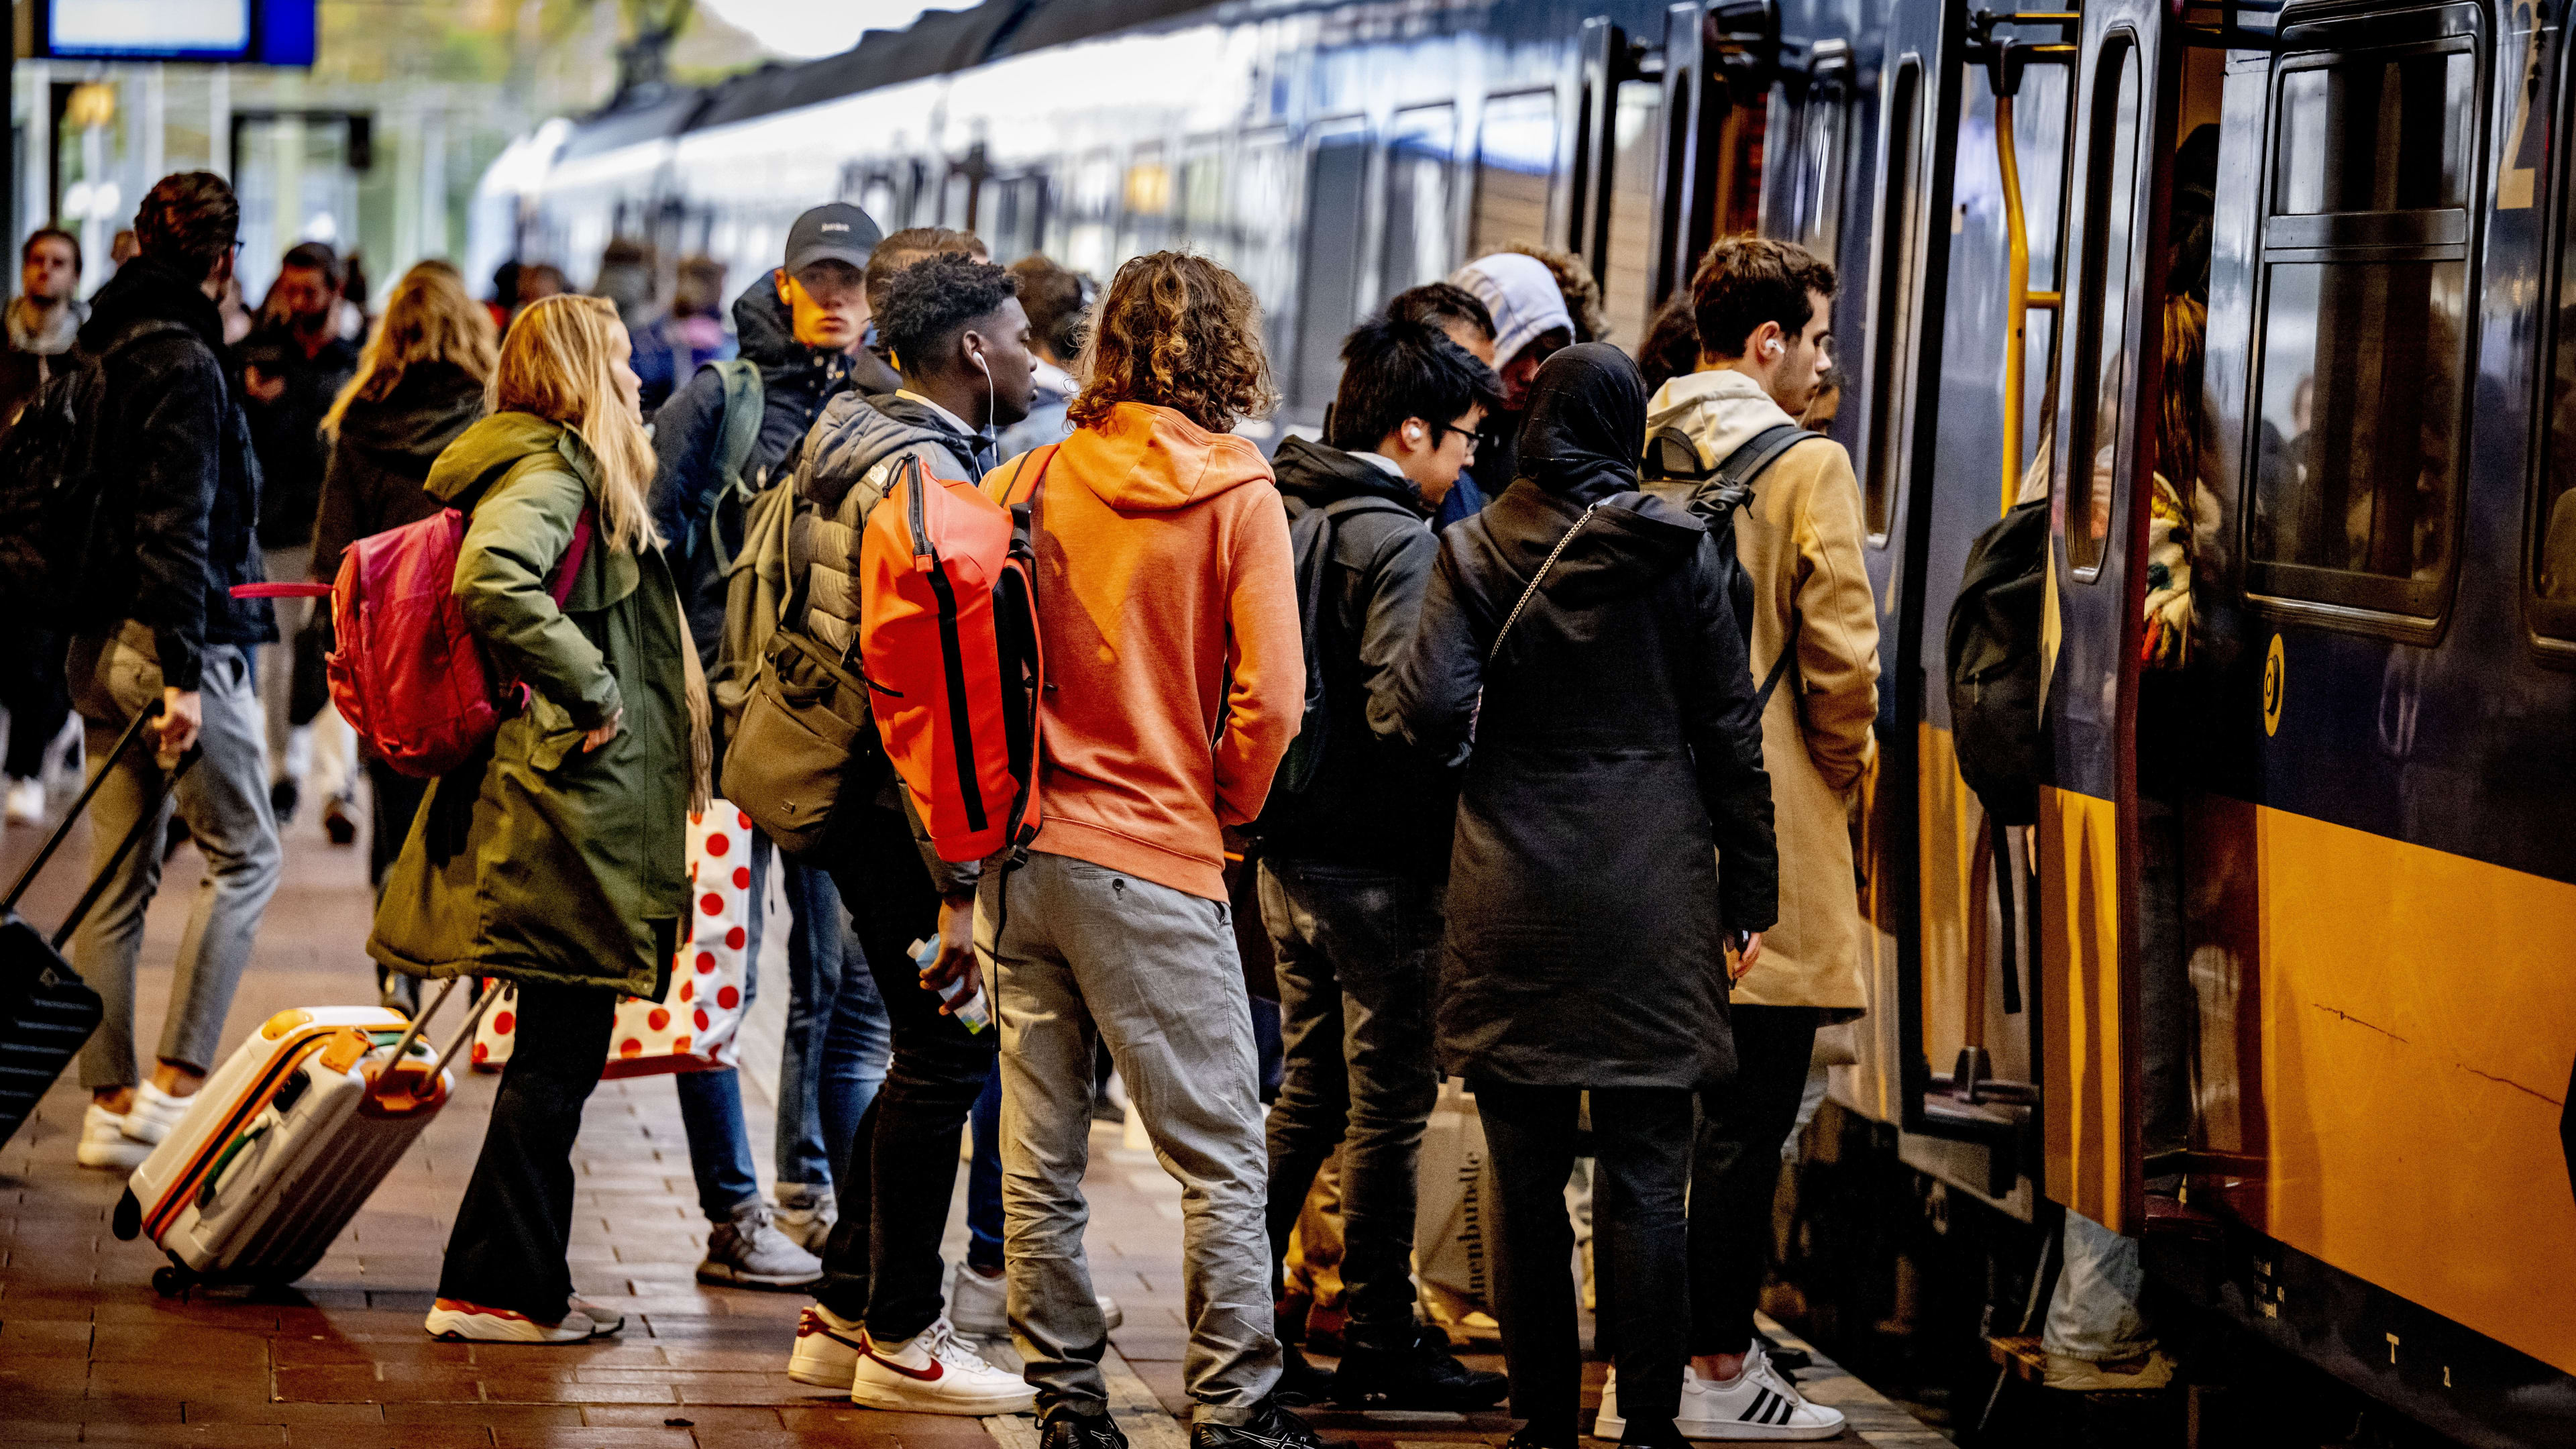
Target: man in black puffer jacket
x,y
155,624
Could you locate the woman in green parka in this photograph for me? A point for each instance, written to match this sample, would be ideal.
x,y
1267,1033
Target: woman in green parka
x,y
558,861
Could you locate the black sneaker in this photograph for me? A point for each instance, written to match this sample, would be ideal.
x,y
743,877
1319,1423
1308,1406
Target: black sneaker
x,y
1065,1429
1300,1382
1270,1427
1424,1376
283,797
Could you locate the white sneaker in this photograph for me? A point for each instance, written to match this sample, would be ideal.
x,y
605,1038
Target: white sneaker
x,y
104,1143
27,802
827,1348
932,1373
978,1307
806,1214
1756,1404
155,1112
457,1321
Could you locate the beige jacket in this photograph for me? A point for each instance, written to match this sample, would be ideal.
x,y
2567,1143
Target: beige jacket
x,y
1800,540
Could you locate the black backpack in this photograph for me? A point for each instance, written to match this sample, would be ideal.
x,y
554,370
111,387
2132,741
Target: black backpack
x,y
1714,495
1310,538
1993,646
50,485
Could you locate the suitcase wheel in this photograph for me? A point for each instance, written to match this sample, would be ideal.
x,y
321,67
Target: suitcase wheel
x,y
129,1217
173,1281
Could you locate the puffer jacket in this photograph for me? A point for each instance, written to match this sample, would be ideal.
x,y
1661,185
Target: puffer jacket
x,y
1800,541
849,462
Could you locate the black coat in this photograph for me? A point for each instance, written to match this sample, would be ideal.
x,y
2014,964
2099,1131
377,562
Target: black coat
x,y
382,457
182,486
287,433
1375,802
1617,756
795,382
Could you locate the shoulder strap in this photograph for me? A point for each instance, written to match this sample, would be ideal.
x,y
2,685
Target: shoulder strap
x,y
743,399
1779,666
1537,579
1731,485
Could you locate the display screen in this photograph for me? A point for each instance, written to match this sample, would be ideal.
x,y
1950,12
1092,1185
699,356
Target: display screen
x,y
259,32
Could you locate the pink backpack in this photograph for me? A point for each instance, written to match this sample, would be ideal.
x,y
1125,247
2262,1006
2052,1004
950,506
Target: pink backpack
x,y
406,672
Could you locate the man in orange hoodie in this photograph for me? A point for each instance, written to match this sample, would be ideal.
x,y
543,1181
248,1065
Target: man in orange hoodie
x,y
1175,680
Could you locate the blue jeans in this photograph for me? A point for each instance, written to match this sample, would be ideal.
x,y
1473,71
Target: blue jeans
x,y
816,1090
984,1181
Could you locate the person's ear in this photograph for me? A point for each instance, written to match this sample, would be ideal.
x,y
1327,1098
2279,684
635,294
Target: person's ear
x,y
780,277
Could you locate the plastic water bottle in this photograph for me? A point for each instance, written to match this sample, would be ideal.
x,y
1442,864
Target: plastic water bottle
x,y
974,1012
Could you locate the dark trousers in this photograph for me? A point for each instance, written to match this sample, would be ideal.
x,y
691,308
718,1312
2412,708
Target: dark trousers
x,y
1354,952
33,692
882,1262
1641,1163
507,1249
1736,1171
393,799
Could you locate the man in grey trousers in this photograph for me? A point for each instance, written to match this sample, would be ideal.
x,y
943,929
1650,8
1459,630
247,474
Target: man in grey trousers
x,y
155,623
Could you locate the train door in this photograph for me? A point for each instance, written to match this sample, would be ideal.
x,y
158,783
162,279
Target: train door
x,y
2087,840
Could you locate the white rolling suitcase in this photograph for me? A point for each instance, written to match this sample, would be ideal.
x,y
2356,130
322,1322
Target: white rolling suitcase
x,y
285,1143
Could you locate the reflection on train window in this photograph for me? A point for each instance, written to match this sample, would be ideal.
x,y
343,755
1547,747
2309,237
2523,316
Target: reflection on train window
x,y
1892,318
1420,245
2354,453
1013,215
1816,202
1328,273
1261,217
2389,134
2103,330
1146,191
2366,354
1092,207
1628,277
1515,157
1203,204
957,201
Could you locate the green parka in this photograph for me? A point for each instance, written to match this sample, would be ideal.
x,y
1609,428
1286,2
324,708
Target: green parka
x,y
541,862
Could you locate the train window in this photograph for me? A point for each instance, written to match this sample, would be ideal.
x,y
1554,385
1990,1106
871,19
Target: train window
x,y
1893,315
1203,203
1094,206
2364,330
2102,335
1328,280
1262,218
1420,241
1515,158
1627,278
1817,201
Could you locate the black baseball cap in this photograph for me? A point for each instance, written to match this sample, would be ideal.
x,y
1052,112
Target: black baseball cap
x,y
833,232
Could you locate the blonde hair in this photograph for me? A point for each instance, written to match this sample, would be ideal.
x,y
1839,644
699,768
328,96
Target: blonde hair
x,y
429,318
556,363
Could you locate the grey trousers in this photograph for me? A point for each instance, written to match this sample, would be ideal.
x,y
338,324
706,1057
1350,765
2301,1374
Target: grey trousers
x,y
225,802
1081,954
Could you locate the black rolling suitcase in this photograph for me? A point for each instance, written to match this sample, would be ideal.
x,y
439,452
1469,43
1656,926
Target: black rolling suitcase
x,y
46,1011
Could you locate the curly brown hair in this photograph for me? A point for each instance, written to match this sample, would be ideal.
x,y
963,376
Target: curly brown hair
x,y
1574,281
1175,331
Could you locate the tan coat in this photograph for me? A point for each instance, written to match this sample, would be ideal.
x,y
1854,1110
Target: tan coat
x,y
1800,540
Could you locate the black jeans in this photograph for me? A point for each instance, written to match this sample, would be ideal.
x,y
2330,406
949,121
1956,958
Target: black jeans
x,y
1641,1155
32,690
1736,1171
507,1248
1355,954
882,1262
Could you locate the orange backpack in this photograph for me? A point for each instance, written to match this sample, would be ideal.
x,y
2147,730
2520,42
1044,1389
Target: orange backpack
x,y
949,637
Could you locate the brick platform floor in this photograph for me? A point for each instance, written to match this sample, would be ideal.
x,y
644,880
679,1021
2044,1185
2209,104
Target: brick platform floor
x,y
88,1353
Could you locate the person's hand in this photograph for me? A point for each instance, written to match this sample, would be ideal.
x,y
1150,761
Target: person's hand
x,y
602,735
1745,957
261,386
183,714
956,958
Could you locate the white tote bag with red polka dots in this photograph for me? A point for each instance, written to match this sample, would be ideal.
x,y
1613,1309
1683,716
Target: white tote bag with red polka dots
x,y
698,1022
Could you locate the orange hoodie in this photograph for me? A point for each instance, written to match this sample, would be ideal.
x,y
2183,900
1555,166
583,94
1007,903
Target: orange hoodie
x,y
1176,672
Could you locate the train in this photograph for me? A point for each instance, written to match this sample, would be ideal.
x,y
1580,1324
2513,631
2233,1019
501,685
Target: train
x,y
2347,828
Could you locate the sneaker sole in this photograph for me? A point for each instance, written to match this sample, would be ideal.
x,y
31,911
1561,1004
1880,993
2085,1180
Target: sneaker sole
x,y
822,1375
461,1328
119,1160
717,1275
894,1400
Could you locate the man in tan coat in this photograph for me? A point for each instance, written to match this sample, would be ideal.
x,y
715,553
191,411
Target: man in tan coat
x,y
1763,309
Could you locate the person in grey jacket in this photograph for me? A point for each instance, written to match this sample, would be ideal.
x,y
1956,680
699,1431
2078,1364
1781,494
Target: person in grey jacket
x,y
1617,761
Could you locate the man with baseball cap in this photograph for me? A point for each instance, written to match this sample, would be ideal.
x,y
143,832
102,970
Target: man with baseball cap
x,y
798,326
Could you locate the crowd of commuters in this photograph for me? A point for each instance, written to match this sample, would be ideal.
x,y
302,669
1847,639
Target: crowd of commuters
x,y
1473,696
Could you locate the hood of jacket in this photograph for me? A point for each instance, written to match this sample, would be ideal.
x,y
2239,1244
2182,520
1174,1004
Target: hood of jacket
x,y
764,328
146,290
855,433
419,418
1316,474
1145,459
493,447
1632,540
1718,411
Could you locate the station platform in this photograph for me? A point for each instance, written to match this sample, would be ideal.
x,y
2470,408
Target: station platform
x,y
89,1353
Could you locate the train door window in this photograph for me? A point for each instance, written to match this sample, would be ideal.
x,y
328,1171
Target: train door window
x,y
1261,213
2102,330
1420,243
1515,159
1014,214
1628,277
1328,279
2365,252
1094,206
957,201
1893,313
1816,200
1202,202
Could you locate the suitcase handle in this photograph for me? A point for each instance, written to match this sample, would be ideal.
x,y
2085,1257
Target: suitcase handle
x,y
63,831
464,1034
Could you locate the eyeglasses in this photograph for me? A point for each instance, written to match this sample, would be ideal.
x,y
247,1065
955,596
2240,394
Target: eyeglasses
x,y
1440,434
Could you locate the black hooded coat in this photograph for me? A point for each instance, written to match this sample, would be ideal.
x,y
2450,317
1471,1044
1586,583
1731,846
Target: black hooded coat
x,y
382,455
1617,756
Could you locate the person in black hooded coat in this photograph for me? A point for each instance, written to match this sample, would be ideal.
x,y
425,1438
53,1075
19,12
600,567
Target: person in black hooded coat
x,y
1617,762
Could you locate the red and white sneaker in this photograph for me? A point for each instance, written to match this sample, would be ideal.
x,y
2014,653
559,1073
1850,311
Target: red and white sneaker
x,y
458,1321
934,1373
827,1348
